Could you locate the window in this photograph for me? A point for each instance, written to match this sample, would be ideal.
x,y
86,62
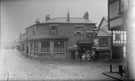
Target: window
x,y
78,30
103,41
53,30
45,47
34,30
119,37
59,46
23,47
36,46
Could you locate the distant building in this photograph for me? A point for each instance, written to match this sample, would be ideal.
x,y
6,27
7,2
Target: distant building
x,y
102,41
58,37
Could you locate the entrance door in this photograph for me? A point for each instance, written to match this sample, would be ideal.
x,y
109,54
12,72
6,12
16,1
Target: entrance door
x,y
117,52
51,49
73,55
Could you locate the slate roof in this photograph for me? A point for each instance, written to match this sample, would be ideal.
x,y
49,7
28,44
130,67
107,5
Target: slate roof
x,y
72,20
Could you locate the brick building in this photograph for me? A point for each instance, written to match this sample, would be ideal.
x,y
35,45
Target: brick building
x,y
58,37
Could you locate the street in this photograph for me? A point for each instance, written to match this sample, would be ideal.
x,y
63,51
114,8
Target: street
x,y
14,66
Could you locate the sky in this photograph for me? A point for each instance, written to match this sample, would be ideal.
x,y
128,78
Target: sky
x,y
16,15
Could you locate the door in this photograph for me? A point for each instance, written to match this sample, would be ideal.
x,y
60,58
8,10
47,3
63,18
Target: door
x,y
73,55
117,52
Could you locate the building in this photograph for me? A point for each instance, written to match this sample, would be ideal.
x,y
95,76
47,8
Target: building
x,y
120,14
58,37
102,41
116,25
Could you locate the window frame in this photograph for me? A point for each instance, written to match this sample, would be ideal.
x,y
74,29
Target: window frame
x,y
53,30
104,42
45,46
58,48
78,28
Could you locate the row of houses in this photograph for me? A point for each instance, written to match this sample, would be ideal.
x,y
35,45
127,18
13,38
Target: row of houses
x,y
62,37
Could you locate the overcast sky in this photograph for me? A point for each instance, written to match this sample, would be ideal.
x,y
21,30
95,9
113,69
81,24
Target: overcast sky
x,y
16,15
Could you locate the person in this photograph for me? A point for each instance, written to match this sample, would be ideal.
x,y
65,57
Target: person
x,y
93,55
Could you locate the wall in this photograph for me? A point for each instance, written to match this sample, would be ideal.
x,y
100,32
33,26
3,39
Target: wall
x,y
64,30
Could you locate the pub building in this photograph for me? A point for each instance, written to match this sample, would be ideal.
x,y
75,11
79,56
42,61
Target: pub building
x,y
58,38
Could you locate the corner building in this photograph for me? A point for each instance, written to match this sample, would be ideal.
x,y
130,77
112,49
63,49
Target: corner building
x,y
55,37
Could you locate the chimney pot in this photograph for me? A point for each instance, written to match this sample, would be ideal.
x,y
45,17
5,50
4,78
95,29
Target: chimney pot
x,y
86,16
68,17
47,17
37,21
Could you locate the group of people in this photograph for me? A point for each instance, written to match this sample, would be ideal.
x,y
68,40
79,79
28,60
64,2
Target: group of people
x,y
85,55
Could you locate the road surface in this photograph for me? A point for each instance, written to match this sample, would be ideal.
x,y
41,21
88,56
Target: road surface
x,y
14,66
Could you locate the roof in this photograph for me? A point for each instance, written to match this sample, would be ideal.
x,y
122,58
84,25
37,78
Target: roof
x,y
72,20
104,32
64,20
103,28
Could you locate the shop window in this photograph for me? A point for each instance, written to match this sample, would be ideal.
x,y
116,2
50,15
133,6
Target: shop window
x,y
36,46
45,47
53,30
31,47
103,41
23,47
59,46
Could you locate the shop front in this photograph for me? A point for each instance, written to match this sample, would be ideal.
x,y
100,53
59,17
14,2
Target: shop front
x,y
52,48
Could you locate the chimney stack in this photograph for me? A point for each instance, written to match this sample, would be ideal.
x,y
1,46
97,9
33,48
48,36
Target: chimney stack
x,y
86,16
47,17
37,21
68,17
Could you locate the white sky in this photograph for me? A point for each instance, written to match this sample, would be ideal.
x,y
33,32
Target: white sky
x,y
16,15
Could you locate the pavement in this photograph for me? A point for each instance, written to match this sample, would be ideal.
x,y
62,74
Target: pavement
x,y
14,66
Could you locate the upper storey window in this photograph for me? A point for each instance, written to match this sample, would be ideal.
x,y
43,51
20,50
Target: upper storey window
x,y
34,29
78,30
119,37
53,29
103,41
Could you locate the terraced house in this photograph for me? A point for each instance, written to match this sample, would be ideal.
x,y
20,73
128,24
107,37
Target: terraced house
x,y
56,37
